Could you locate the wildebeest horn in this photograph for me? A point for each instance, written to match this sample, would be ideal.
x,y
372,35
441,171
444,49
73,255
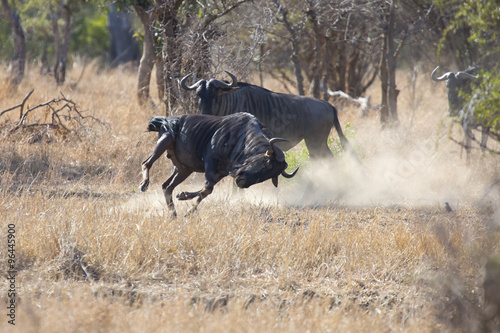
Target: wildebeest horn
x,y
186,87
278,153
221,84
234,81
465,76
441,78
289,175
280,156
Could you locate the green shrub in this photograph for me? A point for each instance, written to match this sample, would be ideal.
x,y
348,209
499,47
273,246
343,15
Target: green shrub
x,y
299,156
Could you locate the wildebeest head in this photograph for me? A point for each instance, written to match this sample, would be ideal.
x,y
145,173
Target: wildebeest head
x,y
208,90
260,167
456,82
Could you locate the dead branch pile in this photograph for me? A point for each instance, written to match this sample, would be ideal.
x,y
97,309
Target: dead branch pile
x,y
58,117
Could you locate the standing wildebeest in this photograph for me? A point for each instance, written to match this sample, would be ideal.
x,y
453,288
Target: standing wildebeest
x,y
288,116
457,83
236,145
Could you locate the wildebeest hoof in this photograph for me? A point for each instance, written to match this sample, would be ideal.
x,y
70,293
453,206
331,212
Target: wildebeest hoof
x,y
183,196
144,185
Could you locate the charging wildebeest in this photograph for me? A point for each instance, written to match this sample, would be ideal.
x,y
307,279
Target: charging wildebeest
x,y
457,83
289,116
237,145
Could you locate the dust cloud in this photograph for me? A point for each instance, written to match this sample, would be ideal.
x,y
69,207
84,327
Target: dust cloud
x,y
399,169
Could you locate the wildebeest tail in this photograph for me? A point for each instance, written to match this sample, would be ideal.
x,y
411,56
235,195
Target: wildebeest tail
x,y
343,140
346,145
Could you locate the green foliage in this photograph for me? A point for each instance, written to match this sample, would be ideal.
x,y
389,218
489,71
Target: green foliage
x,y
487,108
90,35
483,18
476,24
7,49
299,156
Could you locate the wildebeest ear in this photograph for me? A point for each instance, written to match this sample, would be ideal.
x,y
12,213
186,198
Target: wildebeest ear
x,y
275,181
269,153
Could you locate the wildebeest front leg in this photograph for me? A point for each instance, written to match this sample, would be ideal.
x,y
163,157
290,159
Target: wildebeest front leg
x,y
165,140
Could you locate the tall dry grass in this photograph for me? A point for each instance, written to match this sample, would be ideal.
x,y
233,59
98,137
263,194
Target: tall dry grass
x,y
371,253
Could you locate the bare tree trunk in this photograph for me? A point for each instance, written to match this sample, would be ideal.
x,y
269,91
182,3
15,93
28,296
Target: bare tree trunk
x,y
353,81
298,70
328,69
19,60
383,67
384,105
45,68
148,56
316,70
123,46
172,71
167,14
295,48
168,69
160,77
65,44
54,16
392,93
341,69
389,106
261,56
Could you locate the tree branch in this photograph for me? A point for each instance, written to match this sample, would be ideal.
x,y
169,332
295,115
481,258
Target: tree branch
x,y
21,105
59,120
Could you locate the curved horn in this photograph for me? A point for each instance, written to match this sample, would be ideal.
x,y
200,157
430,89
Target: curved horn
x,y
221,84
278,153
441,78
465,76
234,81
289,175
186,87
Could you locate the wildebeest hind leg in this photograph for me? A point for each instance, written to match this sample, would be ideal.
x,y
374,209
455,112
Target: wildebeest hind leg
x,y
200,195
177,177
485,131
164,142
191,195
212,177
318,150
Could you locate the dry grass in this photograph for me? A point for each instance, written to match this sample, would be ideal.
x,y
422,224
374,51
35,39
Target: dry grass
x,y
372,253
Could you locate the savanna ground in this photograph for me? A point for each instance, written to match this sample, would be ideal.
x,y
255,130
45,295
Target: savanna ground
x,y
373,250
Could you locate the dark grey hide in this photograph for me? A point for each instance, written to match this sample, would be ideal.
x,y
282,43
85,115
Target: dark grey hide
x,y
458,107
237,145
288,116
